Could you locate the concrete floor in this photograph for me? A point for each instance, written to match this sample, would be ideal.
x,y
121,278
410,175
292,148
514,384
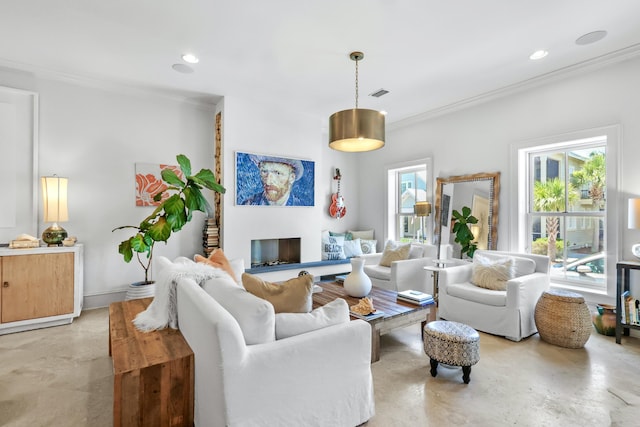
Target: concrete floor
x,y
62,376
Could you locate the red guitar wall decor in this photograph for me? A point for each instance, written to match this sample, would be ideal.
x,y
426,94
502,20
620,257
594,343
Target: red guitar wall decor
x,y
337,208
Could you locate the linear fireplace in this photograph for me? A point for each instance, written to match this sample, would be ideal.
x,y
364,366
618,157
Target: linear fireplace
x,y
268,252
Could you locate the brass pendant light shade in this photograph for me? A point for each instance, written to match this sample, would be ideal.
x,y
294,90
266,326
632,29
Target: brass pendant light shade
x,y
357,129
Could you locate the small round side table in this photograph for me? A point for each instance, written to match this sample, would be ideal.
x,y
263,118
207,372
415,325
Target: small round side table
x,y
563,318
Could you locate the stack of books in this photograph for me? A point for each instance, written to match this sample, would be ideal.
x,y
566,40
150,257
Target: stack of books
x,y
211,236
376,314
630,306
415,297
24,241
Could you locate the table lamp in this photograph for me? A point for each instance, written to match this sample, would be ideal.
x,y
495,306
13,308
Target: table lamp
x,y
54,196
422,210
634,222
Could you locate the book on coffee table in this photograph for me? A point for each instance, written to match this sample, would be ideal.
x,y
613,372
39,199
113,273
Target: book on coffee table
x,y
376,314
415,297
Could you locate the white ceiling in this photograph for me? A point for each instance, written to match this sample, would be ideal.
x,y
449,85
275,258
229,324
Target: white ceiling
x,y
428,53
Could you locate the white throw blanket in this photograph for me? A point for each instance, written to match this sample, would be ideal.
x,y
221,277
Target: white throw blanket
x,y
162,311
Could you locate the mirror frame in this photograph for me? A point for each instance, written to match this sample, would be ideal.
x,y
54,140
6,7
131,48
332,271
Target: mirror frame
x,y
494,195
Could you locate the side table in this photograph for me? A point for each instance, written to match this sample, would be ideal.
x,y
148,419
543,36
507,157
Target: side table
x,y
623,269
436,268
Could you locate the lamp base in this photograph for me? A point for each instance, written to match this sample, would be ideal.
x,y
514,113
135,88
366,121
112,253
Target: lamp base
x,y
54,235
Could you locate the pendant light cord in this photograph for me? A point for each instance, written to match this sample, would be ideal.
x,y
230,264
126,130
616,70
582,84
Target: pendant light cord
x,y
356,84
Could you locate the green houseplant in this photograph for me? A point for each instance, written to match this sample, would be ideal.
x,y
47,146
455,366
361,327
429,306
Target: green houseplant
x,y
463,233
172,214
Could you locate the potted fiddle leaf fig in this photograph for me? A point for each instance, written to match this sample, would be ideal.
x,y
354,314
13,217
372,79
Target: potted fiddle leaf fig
x,y
176,210
463,233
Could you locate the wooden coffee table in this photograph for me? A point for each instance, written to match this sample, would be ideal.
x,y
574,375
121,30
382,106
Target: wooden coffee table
x,y
397,314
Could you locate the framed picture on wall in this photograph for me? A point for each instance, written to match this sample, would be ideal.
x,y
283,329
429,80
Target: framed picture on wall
x,y
267,180
149,182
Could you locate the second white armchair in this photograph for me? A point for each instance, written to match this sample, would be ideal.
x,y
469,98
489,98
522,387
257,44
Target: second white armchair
x,y
508,312
404,274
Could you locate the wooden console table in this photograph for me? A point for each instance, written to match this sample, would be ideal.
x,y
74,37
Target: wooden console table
x,y
153,382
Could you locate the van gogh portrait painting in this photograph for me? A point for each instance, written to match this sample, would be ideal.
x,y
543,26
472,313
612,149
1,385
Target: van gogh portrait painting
x,y
266,180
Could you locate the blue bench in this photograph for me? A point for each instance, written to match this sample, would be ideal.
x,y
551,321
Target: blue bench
x,y
316,268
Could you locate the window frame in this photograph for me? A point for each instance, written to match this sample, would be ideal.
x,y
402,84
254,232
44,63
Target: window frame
x,y
392,211
519,238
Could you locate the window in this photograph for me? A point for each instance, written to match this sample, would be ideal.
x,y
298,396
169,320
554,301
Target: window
x,y
407,184
566,193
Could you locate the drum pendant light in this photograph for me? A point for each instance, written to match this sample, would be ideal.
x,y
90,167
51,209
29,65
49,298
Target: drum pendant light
x,y
357,129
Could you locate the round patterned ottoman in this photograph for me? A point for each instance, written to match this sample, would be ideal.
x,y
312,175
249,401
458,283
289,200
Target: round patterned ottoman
x,y
563,318
451,343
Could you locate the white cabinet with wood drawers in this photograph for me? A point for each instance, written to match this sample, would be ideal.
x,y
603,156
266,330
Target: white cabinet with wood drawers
x,y
40,287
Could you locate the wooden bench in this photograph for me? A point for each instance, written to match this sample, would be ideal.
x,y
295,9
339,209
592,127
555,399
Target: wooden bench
x,y
153,382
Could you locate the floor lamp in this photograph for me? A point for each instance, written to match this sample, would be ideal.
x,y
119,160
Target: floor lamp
x,y
422,210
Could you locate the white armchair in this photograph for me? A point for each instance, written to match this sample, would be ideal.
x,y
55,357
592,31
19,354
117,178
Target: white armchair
x,y
318,378
404,274
508,313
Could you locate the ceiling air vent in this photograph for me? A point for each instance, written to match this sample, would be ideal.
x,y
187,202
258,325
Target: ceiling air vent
x,y
379,93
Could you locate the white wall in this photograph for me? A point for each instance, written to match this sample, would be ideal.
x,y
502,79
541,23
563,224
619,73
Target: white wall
x,y
94,136
251,126
478,139
94,133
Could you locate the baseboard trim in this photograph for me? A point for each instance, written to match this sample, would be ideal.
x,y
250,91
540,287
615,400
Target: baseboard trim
x,y
103,300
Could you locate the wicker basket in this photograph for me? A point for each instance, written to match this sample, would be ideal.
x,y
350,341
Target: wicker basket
x,y
563,319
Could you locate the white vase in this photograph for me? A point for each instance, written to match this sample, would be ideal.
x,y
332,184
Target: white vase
x,y
357,283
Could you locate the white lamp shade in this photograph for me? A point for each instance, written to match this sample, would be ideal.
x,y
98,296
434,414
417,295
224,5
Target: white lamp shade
x,y
54,197
634,213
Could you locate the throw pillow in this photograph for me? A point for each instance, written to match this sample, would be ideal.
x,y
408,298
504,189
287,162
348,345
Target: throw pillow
x,y
254,315
368,246
363,234
332,247
217,259
347,236
291,324
291,296
352,248
492,274
522,266
394,251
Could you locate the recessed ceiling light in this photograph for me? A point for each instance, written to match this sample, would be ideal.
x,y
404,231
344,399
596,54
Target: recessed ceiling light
x,y
591,37
190,58
182,68
538,54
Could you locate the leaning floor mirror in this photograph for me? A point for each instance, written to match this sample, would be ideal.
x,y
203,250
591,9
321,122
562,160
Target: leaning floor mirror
x,y
480,192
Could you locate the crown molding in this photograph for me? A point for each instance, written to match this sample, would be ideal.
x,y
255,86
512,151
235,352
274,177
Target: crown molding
x,y
572,70
199,99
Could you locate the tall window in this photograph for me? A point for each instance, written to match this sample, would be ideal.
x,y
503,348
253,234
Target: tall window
x,y
565,205
407,184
